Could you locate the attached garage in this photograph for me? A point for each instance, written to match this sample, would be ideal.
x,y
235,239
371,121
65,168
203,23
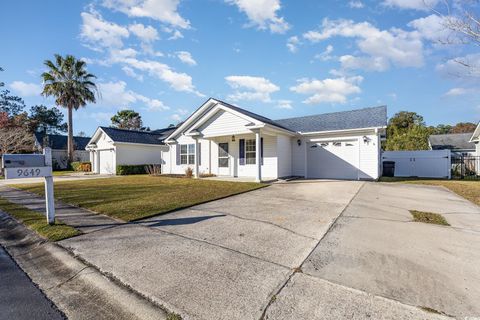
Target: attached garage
x,y
336,159
110,147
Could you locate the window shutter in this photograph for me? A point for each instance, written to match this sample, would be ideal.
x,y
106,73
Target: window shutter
x,y
199,154
242,151
261,151
177,148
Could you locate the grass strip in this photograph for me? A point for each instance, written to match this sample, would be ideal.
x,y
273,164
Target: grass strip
x,y
428,217
37,222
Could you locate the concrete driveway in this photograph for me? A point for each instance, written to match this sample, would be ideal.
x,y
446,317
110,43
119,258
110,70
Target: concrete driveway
x,y
305,250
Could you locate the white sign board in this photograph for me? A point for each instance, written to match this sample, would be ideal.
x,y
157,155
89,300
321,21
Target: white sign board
x,y
29,172
21,166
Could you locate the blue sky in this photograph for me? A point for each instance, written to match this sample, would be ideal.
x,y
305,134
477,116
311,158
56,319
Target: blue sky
x,y
279,58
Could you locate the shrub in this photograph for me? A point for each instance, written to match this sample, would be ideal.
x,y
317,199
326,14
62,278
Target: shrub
x,y
189,172
124,169
81,166
154,169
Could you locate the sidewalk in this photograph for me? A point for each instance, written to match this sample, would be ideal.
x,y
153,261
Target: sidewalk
x,y
81,219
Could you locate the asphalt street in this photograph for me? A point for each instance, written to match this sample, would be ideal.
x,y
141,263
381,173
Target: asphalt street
x,y
19,297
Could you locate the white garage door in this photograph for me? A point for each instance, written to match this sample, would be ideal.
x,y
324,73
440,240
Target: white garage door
x,y
106,161
333,160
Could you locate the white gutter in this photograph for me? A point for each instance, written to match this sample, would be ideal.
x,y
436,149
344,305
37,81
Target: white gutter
x,y
343,130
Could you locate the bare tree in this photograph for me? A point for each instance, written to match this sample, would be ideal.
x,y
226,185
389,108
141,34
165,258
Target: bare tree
x,y
16,140
461,17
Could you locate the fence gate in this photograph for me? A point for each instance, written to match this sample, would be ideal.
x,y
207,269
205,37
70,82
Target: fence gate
x,y
465,167
423,164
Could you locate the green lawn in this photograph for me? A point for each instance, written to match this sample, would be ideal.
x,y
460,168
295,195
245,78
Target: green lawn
x,y
62,172
37,222
135,197
470,190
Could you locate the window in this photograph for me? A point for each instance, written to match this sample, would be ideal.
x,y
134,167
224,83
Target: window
x,y
250,151
223,155
187,154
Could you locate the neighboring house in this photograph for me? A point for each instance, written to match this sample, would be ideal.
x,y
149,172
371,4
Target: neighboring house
x,y
235,142
110,147
58,144
475,139
458,143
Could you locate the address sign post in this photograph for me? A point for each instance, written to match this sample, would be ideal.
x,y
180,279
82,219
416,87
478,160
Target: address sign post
x,y
21,166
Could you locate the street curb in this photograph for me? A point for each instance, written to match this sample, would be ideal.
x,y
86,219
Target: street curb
x,y
77,289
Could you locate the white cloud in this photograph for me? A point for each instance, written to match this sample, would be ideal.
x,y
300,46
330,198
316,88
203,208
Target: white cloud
x,y
292,44
424,5
165,11
431,27
100,33
101,117
262,14
394,46
251,88
144,33
355,4
365,63
454,92
328,90
284,104
176,35
186,57
326,54
179,115
115,94
131,73
177,81
463,67
26,89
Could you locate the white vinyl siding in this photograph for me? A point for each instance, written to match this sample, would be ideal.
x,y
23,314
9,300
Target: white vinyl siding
x,y
284,154
135,154
224,123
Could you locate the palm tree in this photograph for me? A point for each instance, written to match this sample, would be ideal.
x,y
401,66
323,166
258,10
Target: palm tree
x,y
72,86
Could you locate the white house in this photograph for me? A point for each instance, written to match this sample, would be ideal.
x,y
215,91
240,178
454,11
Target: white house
x,y
58,144
458,143
222,139
110,147
225,140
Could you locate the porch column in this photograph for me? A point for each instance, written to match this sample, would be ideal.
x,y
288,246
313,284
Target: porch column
x,y
197,158
258,160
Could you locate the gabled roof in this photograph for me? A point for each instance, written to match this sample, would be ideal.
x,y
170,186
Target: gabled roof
x,y
344,120
454,141
254,115
59,142
134,136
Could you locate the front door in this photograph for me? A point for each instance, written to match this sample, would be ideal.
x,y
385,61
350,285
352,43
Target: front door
x,y
223,159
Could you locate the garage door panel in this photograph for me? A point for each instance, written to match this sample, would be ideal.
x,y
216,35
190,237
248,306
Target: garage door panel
x,y
333,160
106,162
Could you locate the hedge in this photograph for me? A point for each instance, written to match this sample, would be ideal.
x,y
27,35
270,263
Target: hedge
x,y
81,166
123,169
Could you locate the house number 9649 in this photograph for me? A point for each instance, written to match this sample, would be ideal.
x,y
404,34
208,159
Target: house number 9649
x,y
28,172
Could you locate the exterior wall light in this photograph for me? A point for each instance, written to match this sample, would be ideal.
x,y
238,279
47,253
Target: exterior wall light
x,y
299,142
233,138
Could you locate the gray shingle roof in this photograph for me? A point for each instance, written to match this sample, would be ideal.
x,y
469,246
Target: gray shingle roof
x,y
59,142
133,136
454,141
344,120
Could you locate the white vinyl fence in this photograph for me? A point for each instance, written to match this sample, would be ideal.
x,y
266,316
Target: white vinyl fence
x,y
423,164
